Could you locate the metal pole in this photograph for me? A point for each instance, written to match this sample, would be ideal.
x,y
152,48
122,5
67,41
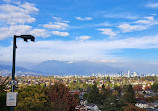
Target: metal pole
x,y
13,67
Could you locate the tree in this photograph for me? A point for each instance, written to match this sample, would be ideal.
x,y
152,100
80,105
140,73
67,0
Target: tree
x,y
108,79
155,86
137,87
103,89
113,103
118,89
3,106
95,97
32,98
3,84
85,96
93,94
147,88
60,98
105,93
2,88
129,94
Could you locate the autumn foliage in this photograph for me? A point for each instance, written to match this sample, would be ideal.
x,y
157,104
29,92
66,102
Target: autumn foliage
x,y
61,99
137,87
147,88
131,107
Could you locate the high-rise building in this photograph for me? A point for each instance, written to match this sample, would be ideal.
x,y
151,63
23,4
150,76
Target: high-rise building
x,y
135,74
128,74
121,74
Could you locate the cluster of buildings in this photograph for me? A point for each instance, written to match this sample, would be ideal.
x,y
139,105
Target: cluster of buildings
x,y
124,74
108,80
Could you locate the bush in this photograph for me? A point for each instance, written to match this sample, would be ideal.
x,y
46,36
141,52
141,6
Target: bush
x,y
3,106
32,98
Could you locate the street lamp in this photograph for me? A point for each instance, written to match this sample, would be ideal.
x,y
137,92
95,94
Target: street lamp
x,y
26,38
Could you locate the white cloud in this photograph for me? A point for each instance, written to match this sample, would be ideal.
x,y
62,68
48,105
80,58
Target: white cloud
x,y
58,19
118,15
21,29
29,7
7,1
130,28
25,8
39,33
151,18
7,8
143,21
74,50
20,14
14,30
83,38
84,18
60,33
104,60
15,18
107,31
56,25
152,5
154,14
147,21
105,24
138,25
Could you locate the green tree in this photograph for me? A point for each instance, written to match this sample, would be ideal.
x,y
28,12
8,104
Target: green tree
x,y
95,97
2,88
108,79
3,106
85,96
118,89
113,103
155,86
129,94
93,94
103,89
3,84
32,98
104,92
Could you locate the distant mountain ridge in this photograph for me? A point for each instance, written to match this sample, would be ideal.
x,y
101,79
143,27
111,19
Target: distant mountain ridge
x,y
79,68
54,67
18,70
9,68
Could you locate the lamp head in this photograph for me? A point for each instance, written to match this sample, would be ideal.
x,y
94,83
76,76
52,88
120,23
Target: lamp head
x,y
26,37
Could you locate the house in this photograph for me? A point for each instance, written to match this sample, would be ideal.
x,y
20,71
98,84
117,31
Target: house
x,y
153,105
142,104
92,107
83,102
87,107
81,108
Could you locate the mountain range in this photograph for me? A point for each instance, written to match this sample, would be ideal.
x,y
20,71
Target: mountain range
x,y
9,68
79,68
54,67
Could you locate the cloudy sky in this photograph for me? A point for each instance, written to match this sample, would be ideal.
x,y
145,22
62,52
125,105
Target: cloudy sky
x,y
77,30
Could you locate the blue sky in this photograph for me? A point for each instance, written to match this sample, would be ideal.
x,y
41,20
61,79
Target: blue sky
x,y
77,30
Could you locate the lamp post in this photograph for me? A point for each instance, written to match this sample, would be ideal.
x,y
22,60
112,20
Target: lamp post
x,y
26,38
